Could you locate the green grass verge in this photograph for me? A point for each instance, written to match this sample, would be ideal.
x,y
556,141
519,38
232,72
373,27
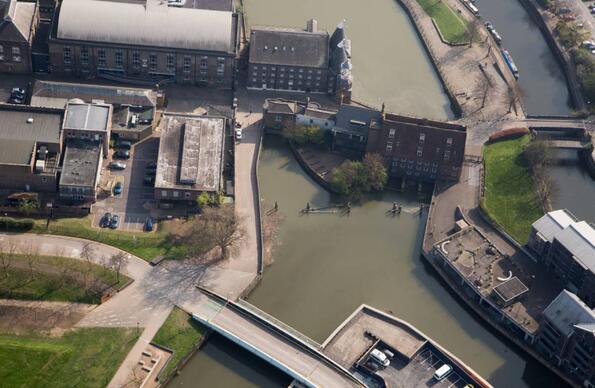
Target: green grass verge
x,y
142,244
510,196
46,282
82,358
179,333
452,27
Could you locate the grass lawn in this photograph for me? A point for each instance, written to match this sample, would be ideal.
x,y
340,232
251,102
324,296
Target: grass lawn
x,y
48,283
179,333
82,358
510,197
142,244
452,27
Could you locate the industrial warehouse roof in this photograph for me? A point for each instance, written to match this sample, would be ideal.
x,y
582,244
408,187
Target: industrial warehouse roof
x,y
579,239
568,310
91,117
552,223
16,152
190,153
154,24
81,162
288,46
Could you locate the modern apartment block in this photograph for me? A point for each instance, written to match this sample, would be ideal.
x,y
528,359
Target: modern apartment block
x,y
567,248
299,60
145,43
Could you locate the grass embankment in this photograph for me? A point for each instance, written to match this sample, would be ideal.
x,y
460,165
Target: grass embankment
x,y
179,333
510,196
52,278
82,358
452,27
146,245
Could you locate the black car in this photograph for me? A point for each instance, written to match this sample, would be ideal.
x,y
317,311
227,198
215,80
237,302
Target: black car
x,y
149,179
151,168
115,221
116,166
106,220
124,144
122,154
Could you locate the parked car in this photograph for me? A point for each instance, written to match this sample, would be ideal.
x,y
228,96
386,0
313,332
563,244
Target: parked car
x,y
16,100
238,134
117,166
106,220
124,144
148,224
115,221
118,188
122,154
442,372
149,179
151,167
379,357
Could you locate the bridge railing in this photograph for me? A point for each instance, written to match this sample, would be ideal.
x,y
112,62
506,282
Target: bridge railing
x,y
277,323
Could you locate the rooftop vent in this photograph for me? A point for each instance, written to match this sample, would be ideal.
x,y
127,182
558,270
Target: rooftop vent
x,y
30,120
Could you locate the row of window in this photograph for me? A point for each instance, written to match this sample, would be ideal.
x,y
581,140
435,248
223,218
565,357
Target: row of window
x,y
422,137
282,69
15,51
175,194
137,63
419,151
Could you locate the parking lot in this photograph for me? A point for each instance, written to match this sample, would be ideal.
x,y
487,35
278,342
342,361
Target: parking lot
x,y
134,204
419,372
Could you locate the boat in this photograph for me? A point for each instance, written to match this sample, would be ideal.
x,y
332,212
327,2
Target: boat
x,y
471,7
494,33
510,63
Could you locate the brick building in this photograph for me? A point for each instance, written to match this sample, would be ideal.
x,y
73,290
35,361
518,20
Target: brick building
x,y
17,33
144,43
300,60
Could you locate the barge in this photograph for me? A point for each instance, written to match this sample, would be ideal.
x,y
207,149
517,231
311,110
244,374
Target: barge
x,y
510,63
494,33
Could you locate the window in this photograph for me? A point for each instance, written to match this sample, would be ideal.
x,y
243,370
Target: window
x,y
101,57
84,55
66,54
446,155
389,147
278,118
136,59
422,138
204,63
176,194
448,141
119,59
152,62
187,64
44,180
16,50
420,151
1,53
170,62
397,144
391,133
164,193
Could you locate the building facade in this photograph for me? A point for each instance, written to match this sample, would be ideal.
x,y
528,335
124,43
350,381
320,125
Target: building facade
x,y
145,44
17,32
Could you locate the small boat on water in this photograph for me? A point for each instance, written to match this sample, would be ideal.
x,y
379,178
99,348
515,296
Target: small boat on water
x,y
494,33
474,10
510,63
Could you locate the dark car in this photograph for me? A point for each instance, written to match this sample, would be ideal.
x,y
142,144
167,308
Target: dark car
x,y
151,167
122,154
148,224
105,220
118,188
124,144
149,179
117,166
115,221
16,100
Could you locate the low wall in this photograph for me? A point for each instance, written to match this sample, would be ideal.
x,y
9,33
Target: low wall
x,y
258,210
454,103
562,58
306,167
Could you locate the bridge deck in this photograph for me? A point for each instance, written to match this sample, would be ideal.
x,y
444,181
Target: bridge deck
x,y
265,341
567,144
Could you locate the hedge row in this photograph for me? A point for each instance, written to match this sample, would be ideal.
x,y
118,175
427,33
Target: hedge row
x,y
14,224
507,134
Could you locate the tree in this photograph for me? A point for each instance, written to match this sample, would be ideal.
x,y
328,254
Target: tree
x,y
118,262
354,178
203,199
473,31
538,154
376,171
512,96
215,227
27,206
306,134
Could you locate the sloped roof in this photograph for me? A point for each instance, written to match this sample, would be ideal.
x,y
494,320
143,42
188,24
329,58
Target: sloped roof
x,y
566,311
93,117
281,106
17,20
16,152
355,119
289,46
553,222
579,239
154,24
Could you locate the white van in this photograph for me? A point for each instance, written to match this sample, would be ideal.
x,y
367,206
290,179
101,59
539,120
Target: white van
x,y
380,357
443,372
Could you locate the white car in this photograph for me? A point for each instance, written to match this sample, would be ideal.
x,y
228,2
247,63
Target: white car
x,y
380,357
238,134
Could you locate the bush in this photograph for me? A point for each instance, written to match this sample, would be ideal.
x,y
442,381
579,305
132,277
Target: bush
x,y
585,71
306,134
510,133
14,224
354,178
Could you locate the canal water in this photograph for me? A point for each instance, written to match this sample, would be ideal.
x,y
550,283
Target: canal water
x,y
543,85
389,61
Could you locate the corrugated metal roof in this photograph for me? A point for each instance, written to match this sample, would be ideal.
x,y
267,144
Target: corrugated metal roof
x,y
566,311
553,222
154,24
16,152
579,239
44,126
91,117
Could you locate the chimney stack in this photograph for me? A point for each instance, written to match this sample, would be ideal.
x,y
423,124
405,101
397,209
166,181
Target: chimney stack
x,y
312,25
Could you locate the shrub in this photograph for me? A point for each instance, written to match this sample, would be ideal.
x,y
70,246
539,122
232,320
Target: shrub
x,y
585,71
510,133
306,134
14,224
354,178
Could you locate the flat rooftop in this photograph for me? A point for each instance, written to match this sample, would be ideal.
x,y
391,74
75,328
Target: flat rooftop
x,y
89,117
484,266
190,153
81,162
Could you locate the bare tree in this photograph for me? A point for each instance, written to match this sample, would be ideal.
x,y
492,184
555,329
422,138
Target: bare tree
x,y
118,262
512,96
220,227
473,31
482,87
31,255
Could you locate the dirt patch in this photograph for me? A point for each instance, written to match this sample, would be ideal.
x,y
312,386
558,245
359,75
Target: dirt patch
x,y
271,222
52,318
